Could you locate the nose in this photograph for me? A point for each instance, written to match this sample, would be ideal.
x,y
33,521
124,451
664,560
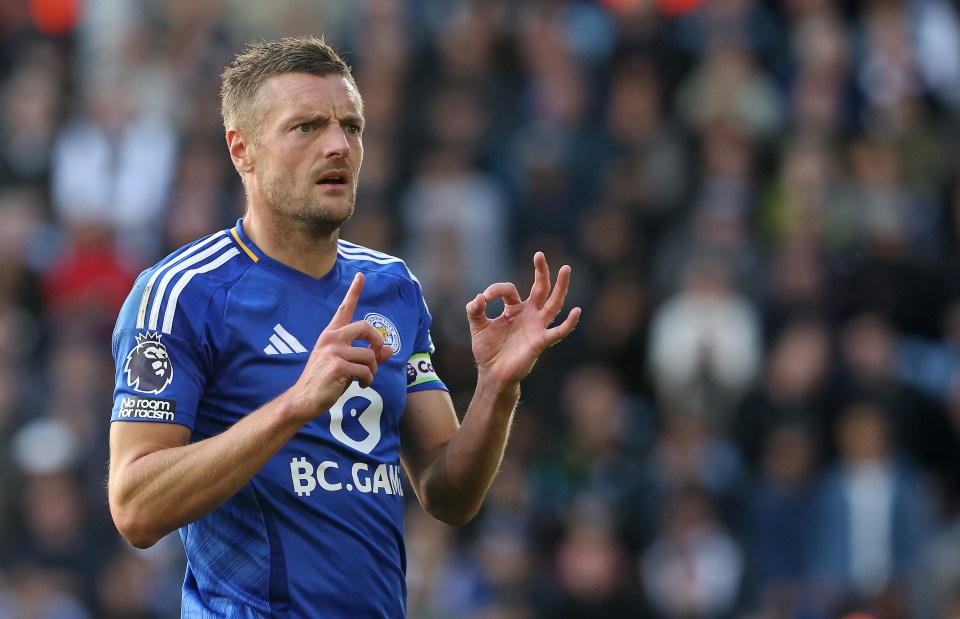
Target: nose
x,y
335,142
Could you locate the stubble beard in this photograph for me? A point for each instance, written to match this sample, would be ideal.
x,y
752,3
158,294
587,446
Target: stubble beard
x,y
301,214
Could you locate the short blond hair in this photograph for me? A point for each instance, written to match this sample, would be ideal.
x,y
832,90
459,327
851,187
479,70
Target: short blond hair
x,y
242,80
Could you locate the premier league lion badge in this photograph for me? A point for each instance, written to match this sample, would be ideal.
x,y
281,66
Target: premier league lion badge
x,y
148,365
389,331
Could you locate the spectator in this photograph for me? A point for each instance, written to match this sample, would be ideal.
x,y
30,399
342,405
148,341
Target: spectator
x,y
760,203
112,167
779,525
693,569
795,389
591,569
704,346
873,515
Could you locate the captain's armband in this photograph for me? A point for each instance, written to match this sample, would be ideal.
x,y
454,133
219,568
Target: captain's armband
x,y
420,370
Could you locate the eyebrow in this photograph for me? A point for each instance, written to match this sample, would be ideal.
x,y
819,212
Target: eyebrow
x,y
312,117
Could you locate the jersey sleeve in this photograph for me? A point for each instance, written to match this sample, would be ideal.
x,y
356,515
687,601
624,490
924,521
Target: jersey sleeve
x,y
421,374
159,376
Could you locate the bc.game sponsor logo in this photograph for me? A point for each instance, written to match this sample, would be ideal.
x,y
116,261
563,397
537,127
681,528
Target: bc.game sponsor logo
x,y
135,407
327,475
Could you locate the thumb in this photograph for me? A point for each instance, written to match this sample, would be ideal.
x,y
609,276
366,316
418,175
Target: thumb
x,y
385,352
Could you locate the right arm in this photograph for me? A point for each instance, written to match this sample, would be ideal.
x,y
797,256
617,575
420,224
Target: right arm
x,y
158,482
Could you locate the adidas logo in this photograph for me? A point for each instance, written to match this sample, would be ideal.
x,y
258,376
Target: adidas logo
x,y
282,343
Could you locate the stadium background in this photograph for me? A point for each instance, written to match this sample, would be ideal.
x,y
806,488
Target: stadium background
x,y
759,414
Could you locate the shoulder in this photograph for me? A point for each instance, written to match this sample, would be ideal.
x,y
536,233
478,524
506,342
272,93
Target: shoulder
x,y
370,260
184,283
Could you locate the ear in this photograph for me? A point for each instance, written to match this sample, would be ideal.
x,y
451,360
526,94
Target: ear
x,y
240,151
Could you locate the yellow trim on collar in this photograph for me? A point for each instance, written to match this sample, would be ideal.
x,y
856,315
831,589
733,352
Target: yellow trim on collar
x,y
236,237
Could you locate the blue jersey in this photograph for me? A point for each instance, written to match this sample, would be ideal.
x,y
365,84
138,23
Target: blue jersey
x,y
216,330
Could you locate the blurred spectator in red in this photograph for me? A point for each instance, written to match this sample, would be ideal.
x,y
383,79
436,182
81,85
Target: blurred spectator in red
x,y
86,285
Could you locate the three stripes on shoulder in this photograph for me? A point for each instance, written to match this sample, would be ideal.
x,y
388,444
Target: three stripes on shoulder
x,y
191,262
163,290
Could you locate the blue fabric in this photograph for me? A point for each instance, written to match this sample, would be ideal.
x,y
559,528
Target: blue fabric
x,y
215,331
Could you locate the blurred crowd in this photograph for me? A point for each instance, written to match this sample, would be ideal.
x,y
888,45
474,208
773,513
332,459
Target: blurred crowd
x,y
759,414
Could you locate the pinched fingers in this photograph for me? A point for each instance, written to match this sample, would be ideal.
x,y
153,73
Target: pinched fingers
x,y
360,363
361,330
384,353
477,313
375,350
344,359
502,290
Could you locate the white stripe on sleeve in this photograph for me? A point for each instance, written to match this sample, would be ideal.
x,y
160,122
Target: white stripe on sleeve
x,y
145,299
175,293
157,301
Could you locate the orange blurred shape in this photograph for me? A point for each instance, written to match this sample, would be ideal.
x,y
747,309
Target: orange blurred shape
x,y
55,17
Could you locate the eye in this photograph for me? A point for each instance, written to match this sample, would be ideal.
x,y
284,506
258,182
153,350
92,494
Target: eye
x,y
353,129
304,127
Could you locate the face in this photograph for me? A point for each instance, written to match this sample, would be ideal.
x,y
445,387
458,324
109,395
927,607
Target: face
x,y
306,159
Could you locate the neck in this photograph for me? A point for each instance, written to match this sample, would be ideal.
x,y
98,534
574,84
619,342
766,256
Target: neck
x,y
292,243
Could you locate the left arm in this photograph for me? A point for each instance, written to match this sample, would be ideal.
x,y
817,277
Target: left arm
x,y
451,466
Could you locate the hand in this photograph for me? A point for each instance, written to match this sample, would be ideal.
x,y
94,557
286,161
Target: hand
x,y
507,347
334,362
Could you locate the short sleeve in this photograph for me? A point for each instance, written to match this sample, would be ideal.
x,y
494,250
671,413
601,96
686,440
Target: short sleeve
x,y
421,374
159,376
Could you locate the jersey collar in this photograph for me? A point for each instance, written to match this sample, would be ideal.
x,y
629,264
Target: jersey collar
x,y
322,286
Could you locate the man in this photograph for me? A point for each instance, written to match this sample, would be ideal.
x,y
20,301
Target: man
x,y
279,376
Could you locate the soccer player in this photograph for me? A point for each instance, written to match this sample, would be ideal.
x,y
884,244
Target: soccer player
x,y
272,378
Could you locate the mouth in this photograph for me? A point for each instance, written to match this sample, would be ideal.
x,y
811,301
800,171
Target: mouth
x,y
334,177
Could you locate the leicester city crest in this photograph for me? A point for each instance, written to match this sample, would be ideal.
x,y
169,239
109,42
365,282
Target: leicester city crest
x,y
391,336
148,365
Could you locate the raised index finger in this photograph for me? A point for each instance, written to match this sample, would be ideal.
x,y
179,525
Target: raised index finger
x,y
344,313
